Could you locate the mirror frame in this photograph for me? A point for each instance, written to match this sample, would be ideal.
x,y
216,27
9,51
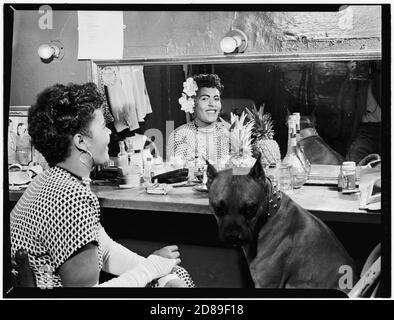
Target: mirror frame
x,y
239,58
317,56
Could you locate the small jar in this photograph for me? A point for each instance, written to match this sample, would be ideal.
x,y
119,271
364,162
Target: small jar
x,y
347,176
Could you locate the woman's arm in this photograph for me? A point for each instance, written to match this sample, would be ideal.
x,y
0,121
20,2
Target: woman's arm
x,y
116,258
82,269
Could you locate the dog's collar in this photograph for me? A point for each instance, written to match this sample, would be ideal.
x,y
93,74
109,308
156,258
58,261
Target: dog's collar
x,y
271,208
274,199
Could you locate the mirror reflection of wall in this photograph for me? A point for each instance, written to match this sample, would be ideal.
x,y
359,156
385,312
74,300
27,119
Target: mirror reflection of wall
x,y
341,100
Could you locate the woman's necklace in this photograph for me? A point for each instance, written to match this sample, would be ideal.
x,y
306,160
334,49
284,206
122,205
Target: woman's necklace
x,y
84,180
199,153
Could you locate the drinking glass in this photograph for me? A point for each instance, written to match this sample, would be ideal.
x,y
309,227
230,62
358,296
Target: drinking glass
x,y
285,178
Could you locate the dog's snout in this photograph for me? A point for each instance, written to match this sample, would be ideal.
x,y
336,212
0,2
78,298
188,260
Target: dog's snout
x,y
234,236
234,239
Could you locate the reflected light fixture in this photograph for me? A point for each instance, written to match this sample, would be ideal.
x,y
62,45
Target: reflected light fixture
x,y
235,41
52,50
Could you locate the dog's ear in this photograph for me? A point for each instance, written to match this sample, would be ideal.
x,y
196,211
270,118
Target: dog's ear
x,y
257,172
211,174
313,118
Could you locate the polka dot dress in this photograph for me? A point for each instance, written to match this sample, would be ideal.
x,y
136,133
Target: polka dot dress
x,y
186,141
181,273
55,217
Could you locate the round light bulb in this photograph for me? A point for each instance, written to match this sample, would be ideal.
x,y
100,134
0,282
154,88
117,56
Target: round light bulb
x,y
228,44
45,51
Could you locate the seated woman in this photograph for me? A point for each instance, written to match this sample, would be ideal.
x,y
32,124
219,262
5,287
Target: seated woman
x,y
57,219
203,137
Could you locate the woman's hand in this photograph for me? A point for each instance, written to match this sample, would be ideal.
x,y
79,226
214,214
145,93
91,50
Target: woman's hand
x,y
176,283
170,252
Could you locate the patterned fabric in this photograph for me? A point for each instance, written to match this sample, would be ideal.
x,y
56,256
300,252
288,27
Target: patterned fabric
x,y
181,273
56,216
187,141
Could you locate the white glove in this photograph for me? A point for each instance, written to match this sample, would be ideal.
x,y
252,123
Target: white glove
x,y
153,267
116,258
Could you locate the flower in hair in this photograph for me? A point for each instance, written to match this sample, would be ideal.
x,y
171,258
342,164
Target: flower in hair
x,y
187,104
190,87
189,90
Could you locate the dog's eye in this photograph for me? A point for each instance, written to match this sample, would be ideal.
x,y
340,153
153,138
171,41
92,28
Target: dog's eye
x,y
219,209
250,210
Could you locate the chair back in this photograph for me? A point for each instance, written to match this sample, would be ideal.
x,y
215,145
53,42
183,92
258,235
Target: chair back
x,y
368,285
24,275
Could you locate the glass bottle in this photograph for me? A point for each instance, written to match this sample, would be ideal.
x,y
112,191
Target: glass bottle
x,y
300,149
137,161
122,155
348,175
129,150
198,168
341,180
190,165
292,159
272,173
148,167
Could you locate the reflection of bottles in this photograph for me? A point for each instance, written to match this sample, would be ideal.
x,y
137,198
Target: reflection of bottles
x,y
300,149
122,156
137,160
148,166
198,168
190,166
347,176
292,158
129,149
341,180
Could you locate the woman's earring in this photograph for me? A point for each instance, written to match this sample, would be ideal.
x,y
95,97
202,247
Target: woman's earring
x,y
89,162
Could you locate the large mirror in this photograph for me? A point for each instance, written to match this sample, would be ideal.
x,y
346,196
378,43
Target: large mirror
x,y
338,96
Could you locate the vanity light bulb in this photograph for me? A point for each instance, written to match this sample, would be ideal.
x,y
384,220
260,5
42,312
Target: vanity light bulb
x,y
45,51
228,44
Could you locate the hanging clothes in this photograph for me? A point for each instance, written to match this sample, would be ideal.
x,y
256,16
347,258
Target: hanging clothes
x,y
128,97
120,104
126,77
140,93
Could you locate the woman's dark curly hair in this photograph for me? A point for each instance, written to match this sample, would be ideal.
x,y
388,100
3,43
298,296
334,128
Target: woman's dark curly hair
x,y
208,81
59,113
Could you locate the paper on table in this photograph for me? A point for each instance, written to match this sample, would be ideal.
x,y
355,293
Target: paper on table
x,y
370,187
100,35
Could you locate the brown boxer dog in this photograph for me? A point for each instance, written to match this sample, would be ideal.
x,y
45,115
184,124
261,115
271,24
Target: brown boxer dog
x,y
315,148
285,245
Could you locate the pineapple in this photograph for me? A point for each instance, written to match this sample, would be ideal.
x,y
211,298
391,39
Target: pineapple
x,y
263,137
240,137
